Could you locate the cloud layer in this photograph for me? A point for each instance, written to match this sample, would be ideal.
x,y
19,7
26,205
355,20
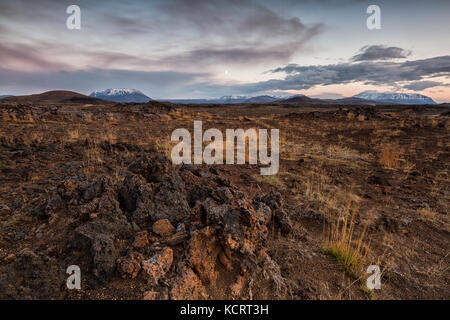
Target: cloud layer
x,y
153,34
203,48
374,73
409,75
380,52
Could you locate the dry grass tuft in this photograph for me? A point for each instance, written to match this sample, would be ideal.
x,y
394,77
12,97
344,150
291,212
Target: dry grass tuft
x,y
390,155
110,117
426,214
108,135
5,117
88,118
350,253
73,134
29,118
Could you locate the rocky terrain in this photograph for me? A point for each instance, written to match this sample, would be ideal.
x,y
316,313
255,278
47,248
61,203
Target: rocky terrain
x,y
92,185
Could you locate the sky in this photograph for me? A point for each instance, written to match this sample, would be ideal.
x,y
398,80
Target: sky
x,y
211,48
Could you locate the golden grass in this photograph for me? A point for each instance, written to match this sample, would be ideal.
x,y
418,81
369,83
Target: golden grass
x,y
292,149
176,114
110,117
94,155
73,134
29,118
318,191
344,153
163,146
390,155
316,187
387,132
88,118
5,117
426,214
108,135
350,253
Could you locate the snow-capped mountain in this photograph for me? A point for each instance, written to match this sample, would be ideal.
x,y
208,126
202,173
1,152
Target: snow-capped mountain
x,y
229,98
392,97
261,99
121,95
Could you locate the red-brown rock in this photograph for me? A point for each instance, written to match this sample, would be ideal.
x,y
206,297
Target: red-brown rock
x,y
163,228
157,267
130,265
141,240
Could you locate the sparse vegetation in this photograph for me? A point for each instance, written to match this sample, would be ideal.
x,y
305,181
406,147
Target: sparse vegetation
x,y
337,184
426,214
5,116
390,155
349,252
73,134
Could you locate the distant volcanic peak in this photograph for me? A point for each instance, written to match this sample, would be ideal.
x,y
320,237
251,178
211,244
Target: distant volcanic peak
x,y
117,91
121,95
298,98
233,97
261,99
394,97
55,97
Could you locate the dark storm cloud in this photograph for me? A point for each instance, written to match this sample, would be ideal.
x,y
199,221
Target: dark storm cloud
x,y
235,31
376,73
232,56
380,52
436,65
422,85
199,33
190,35
164,84
233,18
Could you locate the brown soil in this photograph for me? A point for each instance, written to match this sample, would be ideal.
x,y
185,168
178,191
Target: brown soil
x,y
92,186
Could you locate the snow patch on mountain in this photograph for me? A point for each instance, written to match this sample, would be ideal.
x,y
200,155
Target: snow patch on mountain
x,y
393,97
121,95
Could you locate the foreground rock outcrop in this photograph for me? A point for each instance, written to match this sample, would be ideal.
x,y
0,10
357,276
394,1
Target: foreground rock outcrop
x,y
179,233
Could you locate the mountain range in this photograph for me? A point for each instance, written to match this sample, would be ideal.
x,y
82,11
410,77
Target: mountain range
x,y
392,97
367,97
121,95
133,95
55,97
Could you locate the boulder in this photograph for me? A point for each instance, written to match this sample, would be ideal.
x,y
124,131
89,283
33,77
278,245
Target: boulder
x,y
163,228
129,265
187,286
156,267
